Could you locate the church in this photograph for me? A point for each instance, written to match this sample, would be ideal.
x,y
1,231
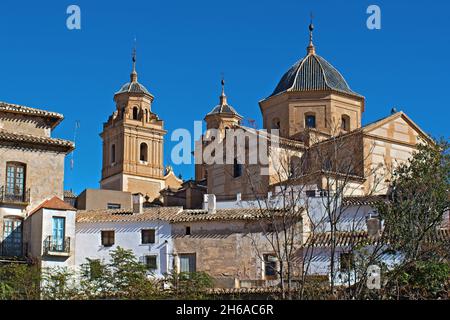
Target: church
x,y
318,118
133,140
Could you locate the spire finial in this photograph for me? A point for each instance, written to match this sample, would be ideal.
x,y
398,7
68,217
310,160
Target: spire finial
x,y
133,59
311,49
223,97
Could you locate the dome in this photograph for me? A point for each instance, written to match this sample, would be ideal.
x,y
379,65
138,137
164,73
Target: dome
x,y
312,73
223,107
133,87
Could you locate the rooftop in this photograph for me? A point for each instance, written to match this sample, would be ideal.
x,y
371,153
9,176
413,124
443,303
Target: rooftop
x,y
55,118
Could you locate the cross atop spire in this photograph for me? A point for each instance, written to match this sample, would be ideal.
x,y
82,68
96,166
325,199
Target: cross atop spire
x,y
223,97
133,75
311,49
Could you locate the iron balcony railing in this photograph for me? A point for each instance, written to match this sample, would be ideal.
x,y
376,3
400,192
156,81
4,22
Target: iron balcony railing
x,y
13,250
56,246
14,196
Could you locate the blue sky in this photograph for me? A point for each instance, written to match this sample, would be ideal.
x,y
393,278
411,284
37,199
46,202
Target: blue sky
x,y
184,46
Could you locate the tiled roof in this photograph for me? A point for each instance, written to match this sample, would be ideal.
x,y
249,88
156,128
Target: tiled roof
x,y
36,140
123,215
363,200
227,214
54,203
282,141
313,73
69,194
225,108
133,87
172,214
323,239
15,108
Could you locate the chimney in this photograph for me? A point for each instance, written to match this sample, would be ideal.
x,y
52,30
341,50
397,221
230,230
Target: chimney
x,y
138,203
373,226
209,203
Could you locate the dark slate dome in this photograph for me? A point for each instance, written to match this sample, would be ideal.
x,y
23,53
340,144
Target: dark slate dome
x,y
223,107
133,87
312,73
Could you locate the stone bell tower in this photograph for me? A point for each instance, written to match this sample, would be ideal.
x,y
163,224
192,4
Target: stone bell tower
x,y
133,142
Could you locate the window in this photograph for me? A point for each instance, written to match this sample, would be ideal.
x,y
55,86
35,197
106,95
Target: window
x,y
276,123
12,237
15,181
346,261
113,153
270,266
146,115
148,236
237,169
327,165
135,113
151,262
345,123
143,154
114,206
310,193
107,238
58,234
188,231
187,262
295,166
310,121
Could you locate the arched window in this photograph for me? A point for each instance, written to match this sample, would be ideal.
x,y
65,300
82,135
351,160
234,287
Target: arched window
x,y
276,123
15,181
143,152
345,123
295,166
113,153
135,113
310,121
237,168
146,115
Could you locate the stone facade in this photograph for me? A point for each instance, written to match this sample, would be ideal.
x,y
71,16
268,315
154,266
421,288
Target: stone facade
x,y
28,154
133,143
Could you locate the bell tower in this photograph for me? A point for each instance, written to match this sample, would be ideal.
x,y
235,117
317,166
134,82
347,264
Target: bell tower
x,y
133,142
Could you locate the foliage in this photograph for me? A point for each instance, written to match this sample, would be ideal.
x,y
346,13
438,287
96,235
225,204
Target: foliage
x,y
58,284
189,285
419,199
19,282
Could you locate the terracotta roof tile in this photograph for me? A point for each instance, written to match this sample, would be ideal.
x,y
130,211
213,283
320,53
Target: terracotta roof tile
x,y
172,215
18,109
54,203
37,140
124,215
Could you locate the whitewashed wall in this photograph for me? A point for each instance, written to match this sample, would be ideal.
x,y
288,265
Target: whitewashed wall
x,y
127,236
47,230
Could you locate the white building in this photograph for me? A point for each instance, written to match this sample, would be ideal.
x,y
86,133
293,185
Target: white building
x,y
146,231
52,229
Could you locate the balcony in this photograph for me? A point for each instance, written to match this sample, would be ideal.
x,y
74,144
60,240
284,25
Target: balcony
x,y
13,251
14,197
57,247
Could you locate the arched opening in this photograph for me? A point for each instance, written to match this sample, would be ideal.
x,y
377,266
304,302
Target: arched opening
x,y
135,113
295,166
143,152
345,123
276,123
237,168
310,120
15,181
113,153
